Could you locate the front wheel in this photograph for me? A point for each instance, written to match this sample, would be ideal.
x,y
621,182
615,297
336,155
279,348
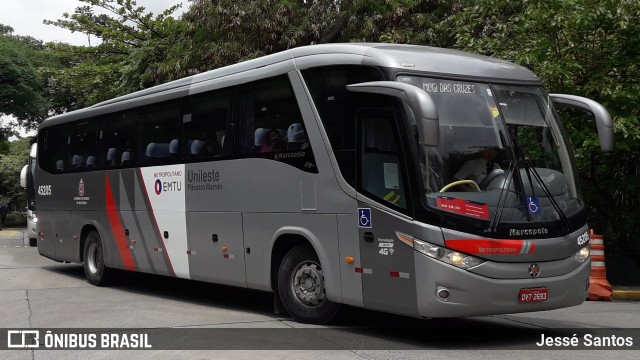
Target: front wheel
x,y
302,289
94,269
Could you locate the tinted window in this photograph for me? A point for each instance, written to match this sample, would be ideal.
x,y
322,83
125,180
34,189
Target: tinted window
x,y
119,138
381,165
52,151
159,129
206,124
337,108
273,127
83,145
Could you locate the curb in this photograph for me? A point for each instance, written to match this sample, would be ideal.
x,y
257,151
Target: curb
x,y
633,295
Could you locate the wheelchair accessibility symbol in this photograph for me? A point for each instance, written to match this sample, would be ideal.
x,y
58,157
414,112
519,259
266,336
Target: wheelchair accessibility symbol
x,y
533,203
364,217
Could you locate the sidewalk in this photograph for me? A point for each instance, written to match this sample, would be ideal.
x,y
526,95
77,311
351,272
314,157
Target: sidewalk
x,y
10,237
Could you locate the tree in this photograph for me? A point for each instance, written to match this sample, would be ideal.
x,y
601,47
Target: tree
x,y
419,22
21,85
224,32
81,76
11,162
133,44
140,50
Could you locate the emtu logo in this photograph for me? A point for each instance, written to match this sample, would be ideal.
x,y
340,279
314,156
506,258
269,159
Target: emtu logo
x,y
158,187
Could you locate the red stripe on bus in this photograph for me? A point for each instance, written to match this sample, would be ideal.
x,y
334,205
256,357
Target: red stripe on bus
x,y
488,246
117,228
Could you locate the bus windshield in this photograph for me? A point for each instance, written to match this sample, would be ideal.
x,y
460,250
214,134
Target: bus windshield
x,y
502,156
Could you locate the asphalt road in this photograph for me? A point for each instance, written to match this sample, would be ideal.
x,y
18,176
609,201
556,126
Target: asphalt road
x,y
36,292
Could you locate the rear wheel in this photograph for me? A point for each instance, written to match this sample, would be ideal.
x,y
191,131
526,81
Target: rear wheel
x,y
94,269
302,289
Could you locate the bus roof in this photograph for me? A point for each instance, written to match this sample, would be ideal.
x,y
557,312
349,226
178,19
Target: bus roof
x,y
412,58
427,59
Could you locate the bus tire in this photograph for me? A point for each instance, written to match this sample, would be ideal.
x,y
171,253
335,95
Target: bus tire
x,y
33,242
301,287
94,268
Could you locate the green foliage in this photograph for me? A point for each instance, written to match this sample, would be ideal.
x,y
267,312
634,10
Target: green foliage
x,y
134,43
21,85
11,162
223,32
15,219
125,24
83,76
400,21
20,148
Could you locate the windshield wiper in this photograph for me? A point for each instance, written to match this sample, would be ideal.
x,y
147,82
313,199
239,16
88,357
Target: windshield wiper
x,y
529,167
495,221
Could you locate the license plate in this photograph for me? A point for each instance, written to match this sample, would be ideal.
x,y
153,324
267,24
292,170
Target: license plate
x,y
533,295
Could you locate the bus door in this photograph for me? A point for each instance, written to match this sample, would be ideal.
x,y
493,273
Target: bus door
x,y
388,279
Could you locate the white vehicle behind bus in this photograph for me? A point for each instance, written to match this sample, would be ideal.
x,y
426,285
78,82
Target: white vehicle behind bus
x,y
27,183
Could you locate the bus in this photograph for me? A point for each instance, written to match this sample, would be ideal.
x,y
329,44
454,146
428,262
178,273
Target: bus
x,y
326,175
27,182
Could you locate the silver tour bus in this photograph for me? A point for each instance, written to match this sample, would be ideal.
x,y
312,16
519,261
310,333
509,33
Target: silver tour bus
x,y
413,180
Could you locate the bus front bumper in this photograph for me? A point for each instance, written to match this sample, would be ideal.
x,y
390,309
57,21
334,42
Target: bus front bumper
x,y
473,295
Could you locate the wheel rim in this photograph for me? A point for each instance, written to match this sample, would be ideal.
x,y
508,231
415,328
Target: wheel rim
x,y
307,283
93,258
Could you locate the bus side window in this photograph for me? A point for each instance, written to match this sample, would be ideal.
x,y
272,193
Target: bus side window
x,y
118,137
158,125
272,125
337,108
53,152
82,143
206,119
381,168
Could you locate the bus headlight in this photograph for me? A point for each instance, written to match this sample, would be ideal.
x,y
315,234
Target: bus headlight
x,y
583,254
445,255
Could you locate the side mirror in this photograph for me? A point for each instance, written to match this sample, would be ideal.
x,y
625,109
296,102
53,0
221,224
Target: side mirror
x,y
23,176
604,123
416,99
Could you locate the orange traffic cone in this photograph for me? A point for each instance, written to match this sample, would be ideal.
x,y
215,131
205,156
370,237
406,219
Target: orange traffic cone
x,y
599,287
